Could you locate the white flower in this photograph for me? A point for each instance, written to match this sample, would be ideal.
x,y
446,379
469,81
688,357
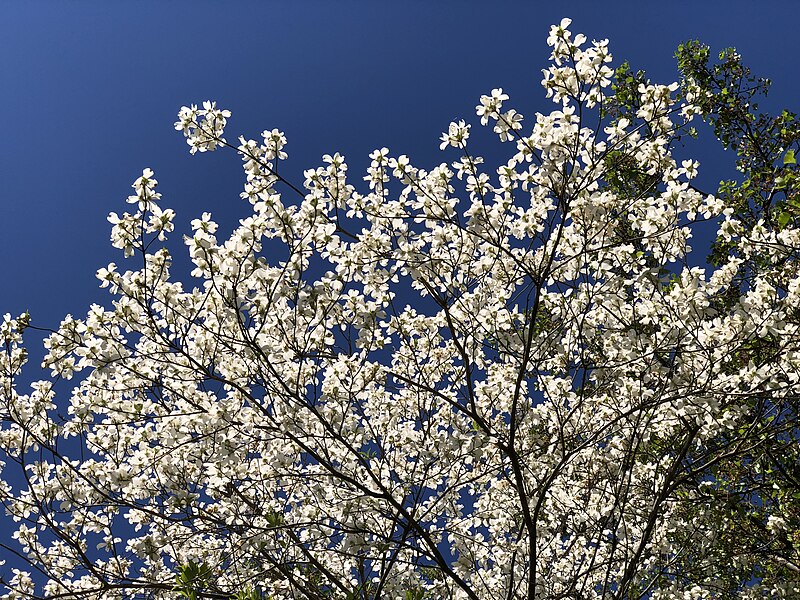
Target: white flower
x,y
204,127
456,136
776,525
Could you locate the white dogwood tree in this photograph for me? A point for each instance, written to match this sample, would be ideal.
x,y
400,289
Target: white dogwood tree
x,y
468,382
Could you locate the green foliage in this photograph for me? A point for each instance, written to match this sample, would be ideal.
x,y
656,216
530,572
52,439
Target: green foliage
x,y
196,581
248,594
626,99
417,594
625,177
727,92
193,580
274,518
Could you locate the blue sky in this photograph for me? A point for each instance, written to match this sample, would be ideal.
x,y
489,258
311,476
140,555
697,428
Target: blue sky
x,y
91,89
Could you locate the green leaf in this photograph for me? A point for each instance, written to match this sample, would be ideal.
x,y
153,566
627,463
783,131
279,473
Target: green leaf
x,y
191,579
783,219
789,158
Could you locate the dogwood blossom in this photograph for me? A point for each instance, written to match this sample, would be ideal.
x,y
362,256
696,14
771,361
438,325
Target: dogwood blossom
x,y
457,383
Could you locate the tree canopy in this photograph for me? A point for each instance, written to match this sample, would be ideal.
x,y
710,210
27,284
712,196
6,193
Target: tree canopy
x,y
470,381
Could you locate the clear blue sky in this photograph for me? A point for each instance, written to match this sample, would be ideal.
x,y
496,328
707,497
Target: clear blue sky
x,y
91,89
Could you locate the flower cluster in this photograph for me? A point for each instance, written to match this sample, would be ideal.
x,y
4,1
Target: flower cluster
x,y
128,230
577,74
203,127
